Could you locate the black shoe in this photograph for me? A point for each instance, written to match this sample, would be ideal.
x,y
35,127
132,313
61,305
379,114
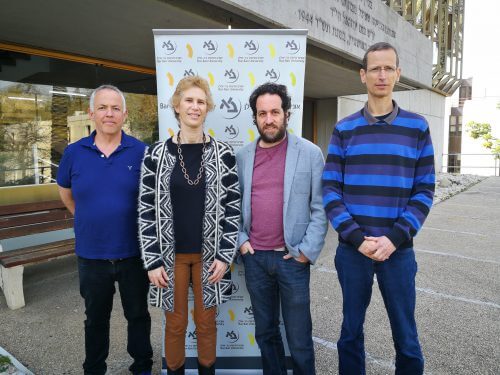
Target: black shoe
x,y
202,370
179,371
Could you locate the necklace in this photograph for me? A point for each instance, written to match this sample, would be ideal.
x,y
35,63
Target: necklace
x,y
183,166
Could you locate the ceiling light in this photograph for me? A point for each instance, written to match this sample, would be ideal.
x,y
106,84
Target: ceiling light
x,y
66,93
24,98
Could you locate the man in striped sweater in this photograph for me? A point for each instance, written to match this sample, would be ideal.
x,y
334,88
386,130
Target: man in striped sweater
x,y
378,185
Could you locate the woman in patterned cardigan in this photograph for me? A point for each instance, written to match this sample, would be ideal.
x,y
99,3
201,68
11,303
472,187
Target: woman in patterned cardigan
x,y
189,208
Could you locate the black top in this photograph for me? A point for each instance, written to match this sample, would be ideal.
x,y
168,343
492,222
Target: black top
x,y
382,117
188,201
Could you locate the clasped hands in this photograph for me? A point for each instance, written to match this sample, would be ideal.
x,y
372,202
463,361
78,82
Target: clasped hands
x,y
377,248
159,277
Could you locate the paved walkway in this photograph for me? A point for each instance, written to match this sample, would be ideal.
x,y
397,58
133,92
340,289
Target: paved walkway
x,y
458,302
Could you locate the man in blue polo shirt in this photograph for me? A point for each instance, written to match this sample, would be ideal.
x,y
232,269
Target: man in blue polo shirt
x,y
98,182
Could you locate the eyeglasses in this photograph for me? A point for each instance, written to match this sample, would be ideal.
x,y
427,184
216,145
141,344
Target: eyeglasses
x,y
379,69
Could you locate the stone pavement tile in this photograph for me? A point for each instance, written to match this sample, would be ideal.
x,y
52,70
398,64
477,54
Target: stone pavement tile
x,y
481,247
457,337
468,278
475,226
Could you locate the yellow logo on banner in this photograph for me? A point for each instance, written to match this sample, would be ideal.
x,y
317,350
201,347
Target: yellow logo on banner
x,y
231,315
190,50
272,50
211,132
251,339
252,79
290,130
170,79
171,132
211,79
293,79
251,133
230,49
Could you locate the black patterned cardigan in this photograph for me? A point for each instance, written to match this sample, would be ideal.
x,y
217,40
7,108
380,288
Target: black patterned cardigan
x,y
220,222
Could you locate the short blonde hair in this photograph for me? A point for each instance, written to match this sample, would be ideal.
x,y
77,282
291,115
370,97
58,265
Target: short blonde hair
x,y
185,84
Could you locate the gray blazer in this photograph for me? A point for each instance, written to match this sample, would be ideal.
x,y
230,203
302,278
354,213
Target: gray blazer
x,y
305,223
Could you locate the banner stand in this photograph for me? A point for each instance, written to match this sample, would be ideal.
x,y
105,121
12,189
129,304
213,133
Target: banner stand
x,y
234,62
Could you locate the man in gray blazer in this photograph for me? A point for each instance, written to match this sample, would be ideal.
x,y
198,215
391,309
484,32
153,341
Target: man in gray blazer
x,y
282,230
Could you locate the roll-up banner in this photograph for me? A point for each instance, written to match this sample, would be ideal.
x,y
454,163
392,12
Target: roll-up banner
x,y
234,62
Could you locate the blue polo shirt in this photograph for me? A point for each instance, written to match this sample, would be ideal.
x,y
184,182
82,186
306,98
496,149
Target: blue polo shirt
x,y
105,190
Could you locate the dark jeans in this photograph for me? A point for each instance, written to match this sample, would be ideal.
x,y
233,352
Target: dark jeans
x,y
396,280
97,287
270,279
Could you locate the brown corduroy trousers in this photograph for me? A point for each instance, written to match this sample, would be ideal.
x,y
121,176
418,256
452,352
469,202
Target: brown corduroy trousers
x,y
188,267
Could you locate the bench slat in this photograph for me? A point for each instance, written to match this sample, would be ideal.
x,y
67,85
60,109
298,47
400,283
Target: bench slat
x,y
34,218
30,207
35,248
35,254
35,228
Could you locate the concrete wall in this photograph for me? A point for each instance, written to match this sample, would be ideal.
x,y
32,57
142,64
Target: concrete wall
x,y
424,102
326,117
348,27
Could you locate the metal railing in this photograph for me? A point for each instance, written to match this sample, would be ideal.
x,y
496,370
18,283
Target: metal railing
x,y
456,163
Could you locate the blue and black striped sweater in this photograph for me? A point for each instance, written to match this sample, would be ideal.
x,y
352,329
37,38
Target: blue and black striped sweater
x,y
379,177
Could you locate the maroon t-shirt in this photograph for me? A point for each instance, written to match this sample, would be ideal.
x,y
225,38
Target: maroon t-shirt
x,y
266,231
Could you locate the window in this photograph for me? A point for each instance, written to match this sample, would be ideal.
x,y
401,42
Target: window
x,y
43,108
38,121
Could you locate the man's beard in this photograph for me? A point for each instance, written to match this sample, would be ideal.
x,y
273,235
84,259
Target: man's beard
x,y
277,136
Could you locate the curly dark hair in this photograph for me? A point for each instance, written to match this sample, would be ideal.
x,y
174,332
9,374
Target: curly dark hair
x,y
272,89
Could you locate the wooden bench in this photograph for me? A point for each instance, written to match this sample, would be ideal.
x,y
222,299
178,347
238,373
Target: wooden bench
x,y
24,219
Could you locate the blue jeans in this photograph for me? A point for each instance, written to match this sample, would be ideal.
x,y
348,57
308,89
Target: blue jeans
x,y
97,287
396,280
270,279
